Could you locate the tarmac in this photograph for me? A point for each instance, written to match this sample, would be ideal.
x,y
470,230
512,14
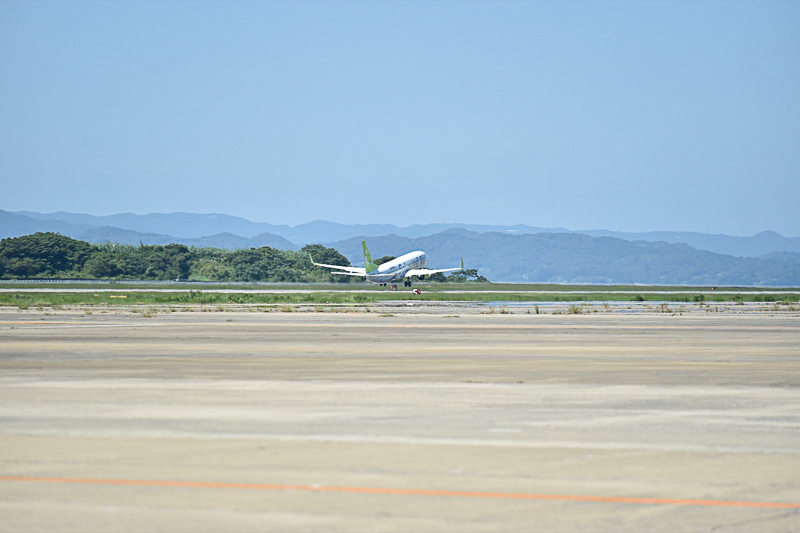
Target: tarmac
x,y
395,420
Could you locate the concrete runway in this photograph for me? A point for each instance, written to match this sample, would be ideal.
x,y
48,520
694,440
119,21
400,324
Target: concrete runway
x,y
242,421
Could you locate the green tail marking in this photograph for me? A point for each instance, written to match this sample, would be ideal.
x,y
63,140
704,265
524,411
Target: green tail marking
x,y
368,264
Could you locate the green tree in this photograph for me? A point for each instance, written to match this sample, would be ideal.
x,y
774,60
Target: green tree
x,y
172,261
321,254
211,264
102,265
43,255
52,255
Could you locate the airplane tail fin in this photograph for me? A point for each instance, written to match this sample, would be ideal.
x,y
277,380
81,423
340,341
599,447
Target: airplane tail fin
x,y
368,264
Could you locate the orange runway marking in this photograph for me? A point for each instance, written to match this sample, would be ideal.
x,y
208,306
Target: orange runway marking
x,y
407,492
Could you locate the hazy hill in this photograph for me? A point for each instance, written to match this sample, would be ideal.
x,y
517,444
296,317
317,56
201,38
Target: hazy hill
x,y
123,236
578,258
184,225
788,257
322,231
755,246
75,226
226,241
16,225
191,225
231,242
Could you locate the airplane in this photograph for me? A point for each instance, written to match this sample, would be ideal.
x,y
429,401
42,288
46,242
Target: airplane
x,y
405,266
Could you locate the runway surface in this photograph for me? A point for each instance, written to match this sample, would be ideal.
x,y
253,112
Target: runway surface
x,y
242,421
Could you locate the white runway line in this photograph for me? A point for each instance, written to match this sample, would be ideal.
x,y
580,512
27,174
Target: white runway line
x,y
401,439
73,326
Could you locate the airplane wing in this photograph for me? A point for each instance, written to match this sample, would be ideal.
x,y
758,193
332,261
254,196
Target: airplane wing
x,y
359,274
346,271
429,271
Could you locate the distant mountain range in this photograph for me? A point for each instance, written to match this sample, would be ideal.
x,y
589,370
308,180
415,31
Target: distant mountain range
x,y
218,240
229,231
501,253
181,227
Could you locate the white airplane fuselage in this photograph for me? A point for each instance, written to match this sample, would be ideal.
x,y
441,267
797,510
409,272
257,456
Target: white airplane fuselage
x,y
404,268
395,270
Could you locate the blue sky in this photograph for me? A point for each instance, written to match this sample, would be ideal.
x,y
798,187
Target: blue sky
x,y
630,116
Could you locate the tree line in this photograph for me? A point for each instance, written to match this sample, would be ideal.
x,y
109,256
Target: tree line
x,y
51,255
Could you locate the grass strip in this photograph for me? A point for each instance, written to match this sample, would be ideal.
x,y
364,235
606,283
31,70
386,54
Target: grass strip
x,y
122,298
